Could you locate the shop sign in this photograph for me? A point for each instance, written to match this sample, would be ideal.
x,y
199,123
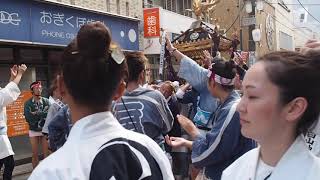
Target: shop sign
x,y
247,21
43,23
17,124
151,22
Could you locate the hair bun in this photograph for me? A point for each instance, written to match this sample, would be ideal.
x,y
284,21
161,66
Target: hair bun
x,y
93,39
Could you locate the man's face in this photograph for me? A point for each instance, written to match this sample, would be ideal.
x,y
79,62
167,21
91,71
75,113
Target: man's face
x,y
37,90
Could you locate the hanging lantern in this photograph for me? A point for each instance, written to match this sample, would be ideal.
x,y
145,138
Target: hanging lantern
x,y
256,35
248,6
259,5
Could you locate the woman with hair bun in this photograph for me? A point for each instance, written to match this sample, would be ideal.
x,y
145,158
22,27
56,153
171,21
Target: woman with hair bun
x,y
280,103
98,147
223,144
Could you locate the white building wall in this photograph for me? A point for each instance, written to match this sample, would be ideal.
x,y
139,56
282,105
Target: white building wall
x,y
283,23
172,23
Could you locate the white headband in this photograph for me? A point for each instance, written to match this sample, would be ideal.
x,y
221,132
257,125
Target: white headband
x,y
221,80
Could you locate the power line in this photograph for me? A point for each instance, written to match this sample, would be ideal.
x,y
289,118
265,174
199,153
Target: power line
x,y
295,4
308,11
235,20
290,21
273,17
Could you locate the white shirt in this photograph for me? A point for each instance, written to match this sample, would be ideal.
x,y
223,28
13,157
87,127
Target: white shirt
x,y
97,145
264,171
7,95
312,138
298,163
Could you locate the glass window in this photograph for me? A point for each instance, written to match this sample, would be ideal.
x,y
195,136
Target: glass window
x,y
118,6
54,56
108,5
127,9
6,54
30,55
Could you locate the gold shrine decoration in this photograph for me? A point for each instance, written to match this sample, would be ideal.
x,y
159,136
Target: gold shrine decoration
x,y
202,9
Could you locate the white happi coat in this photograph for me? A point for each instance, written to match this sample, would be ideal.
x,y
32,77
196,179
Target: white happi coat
x,y
312,138
7,95
298,163
98,147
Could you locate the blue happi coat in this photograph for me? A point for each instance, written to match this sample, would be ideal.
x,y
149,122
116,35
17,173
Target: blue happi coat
x,y
223,144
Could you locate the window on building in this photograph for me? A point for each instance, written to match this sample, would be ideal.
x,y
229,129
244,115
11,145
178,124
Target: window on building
x,y
30,55
118,6
6,54
108,5
148,3
72,2
302,17
182,7
286,41
127,9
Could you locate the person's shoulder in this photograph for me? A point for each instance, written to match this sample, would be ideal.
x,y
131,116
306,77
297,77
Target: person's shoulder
x,y
50,167
155,94
240,162
142,139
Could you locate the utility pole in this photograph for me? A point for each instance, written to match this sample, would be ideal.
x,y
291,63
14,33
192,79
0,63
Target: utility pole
x,y
240,27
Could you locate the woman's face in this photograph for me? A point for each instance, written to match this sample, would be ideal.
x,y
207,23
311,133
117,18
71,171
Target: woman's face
x,y
261,113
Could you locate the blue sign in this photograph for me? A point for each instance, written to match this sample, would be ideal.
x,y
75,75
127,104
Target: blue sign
x,y
38,22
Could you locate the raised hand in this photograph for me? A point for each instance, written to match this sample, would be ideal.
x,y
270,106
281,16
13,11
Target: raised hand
x,y
169,44
13,72
311,45
22,68
207,55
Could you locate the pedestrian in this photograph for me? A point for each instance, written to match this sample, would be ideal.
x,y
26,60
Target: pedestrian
x,y
8,94
98,147
280,103
55,106
35,112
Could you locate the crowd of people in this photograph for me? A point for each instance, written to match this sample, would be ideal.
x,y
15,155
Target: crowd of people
x,y
227,121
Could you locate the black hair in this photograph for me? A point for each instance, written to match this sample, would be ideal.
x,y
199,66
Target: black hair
x,y
226,69
136,62
296,75
33,83
90,73
241,71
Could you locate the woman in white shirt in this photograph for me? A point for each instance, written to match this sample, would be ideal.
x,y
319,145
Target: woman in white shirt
x,y
98,147
280,103
8,94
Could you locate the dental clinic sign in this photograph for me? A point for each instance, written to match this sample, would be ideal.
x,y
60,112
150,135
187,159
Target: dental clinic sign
x,y
42,23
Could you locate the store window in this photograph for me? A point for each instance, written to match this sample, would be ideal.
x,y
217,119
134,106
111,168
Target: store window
x,y
31,56
6,54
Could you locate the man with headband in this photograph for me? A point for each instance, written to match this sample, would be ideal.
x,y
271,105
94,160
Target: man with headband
x,y
35,111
